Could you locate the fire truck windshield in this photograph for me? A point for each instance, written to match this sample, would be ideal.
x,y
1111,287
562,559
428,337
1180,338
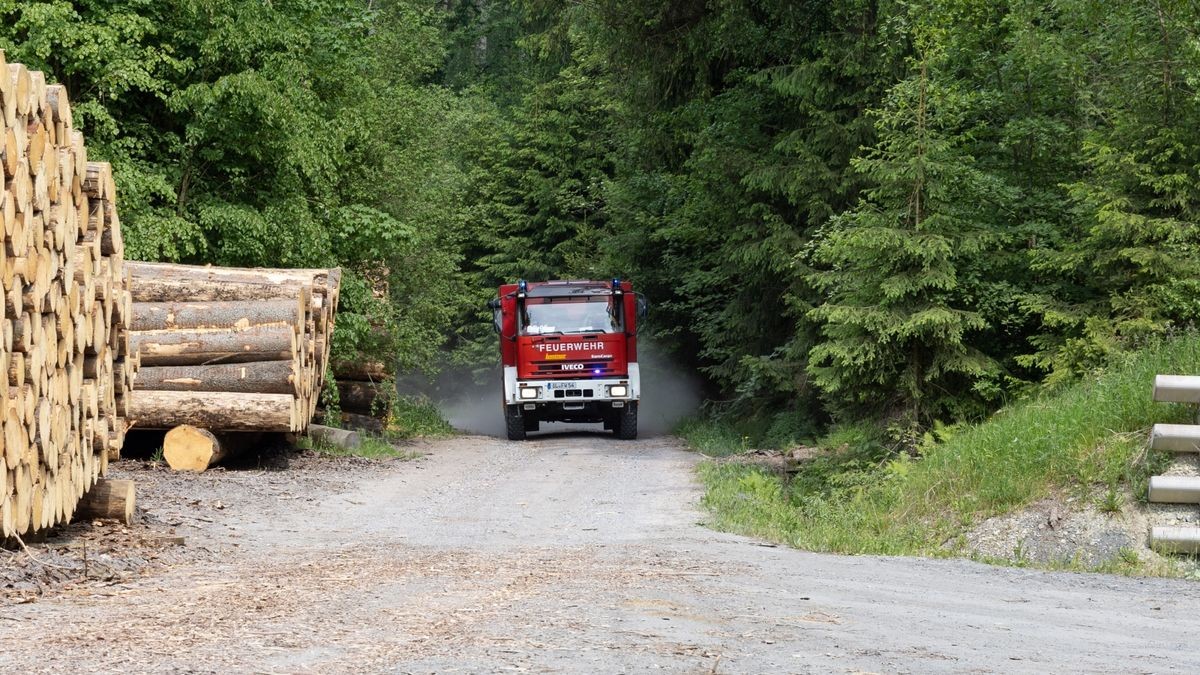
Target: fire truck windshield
x,y
569,315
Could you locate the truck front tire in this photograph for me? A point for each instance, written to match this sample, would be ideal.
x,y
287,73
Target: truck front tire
x,y
625,421
514,423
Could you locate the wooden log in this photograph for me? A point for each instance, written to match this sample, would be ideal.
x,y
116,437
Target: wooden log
x,y
56,96
97,180
263,377
163,282
341,438
365,371
225,411
364,397
361,422
228,315
190,448
21,85
182,290
8,107
234,275
210,346
108,499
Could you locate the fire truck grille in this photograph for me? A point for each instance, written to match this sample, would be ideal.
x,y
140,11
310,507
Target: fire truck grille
x,y
571,393
576,369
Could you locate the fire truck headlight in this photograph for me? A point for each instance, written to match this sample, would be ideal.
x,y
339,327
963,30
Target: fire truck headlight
x,y
618,391
529,392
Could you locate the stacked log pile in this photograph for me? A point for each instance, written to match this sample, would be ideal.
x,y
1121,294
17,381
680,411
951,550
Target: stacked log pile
x,y
63,323
366,388
230,349
365,392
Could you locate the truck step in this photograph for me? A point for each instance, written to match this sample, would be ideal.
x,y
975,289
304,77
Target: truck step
x,y
1175,489
1177,388
1175,539
1176,437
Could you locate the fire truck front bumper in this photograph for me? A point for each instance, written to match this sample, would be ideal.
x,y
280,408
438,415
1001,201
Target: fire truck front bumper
x,y
571,393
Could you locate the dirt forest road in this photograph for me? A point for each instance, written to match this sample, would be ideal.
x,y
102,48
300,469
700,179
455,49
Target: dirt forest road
x,y
572,553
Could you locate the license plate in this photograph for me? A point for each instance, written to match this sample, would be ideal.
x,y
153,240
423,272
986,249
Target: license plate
x,y
562,385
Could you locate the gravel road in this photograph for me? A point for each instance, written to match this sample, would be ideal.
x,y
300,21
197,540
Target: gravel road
x,y
568,553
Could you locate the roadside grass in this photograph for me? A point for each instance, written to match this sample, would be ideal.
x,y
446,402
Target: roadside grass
x,y
416,416
712,437
724,434
1088,438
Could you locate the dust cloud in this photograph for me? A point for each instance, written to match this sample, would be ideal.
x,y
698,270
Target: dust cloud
x,y
471,403
477,408
669,392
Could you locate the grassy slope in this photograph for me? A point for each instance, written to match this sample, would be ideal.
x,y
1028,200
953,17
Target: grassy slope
x,y
1089,437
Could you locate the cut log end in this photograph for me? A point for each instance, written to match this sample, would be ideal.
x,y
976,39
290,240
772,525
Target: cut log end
x,y
189,448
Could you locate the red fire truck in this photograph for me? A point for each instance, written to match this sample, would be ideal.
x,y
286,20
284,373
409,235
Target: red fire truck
x,y
569,350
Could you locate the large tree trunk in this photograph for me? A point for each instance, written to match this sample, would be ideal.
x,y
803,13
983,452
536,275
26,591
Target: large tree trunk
x,y
226,411
153,289
149,316
210,346
263,377
189,448
362,396
363,371
165,282
109,499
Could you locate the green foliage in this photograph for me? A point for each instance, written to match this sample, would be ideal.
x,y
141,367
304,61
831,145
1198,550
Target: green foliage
x,y
1088,437
279,134
740,125
412,417
720,434
876,214
900,315
1130,260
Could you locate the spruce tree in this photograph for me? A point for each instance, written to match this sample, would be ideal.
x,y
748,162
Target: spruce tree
x,y
1130,267
897,314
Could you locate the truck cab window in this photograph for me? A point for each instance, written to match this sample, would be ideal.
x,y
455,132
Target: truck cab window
x,y
566,316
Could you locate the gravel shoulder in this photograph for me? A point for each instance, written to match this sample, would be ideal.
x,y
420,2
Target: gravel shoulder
x,y
568,553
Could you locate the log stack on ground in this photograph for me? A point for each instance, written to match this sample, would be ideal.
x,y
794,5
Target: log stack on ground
x,y
365,390
229,349
65,315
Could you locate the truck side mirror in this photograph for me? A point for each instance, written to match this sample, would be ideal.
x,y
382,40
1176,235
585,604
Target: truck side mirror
x,y
643,307
494,305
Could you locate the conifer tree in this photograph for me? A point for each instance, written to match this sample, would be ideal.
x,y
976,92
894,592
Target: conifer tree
x,y
1131,262
897,317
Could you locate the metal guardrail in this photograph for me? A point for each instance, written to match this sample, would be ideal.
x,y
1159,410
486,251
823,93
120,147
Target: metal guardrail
x,y
1179,438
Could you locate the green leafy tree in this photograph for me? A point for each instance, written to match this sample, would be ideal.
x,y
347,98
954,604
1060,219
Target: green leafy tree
x,y
282,134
